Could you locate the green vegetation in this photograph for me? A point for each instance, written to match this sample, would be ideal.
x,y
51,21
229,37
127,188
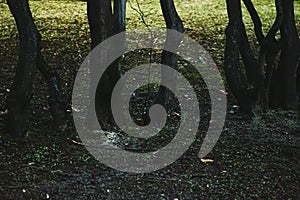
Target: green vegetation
x,y
64,26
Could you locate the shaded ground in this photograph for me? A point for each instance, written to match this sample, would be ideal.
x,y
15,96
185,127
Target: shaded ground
x,y
253,159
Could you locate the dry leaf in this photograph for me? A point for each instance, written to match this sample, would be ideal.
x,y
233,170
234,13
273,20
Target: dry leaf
x,y
45,108
75,109
206,160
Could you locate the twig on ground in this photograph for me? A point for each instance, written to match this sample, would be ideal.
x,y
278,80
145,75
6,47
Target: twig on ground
x,y
75,142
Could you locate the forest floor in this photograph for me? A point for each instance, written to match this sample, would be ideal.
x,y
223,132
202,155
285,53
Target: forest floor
x,y
253,159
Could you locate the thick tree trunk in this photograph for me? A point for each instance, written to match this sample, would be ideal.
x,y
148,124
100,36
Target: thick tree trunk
x,y
104,22
29,57
284,82
245,88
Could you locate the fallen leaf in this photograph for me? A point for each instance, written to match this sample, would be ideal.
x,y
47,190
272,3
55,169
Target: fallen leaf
x,y
45,108
206,160
75,109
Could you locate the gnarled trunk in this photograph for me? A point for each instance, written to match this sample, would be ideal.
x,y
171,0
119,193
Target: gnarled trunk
x,y
245,88
264,81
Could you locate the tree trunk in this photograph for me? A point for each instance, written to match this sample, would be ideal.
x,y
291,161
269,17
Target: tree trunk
x,y
173,22
105,22
29,57
264,83
283,91
246,89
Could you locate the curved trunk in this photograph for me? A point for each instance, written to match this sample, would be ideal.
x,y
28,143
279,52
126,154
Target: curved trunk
x,y
173,22
30,57
264,82
246,88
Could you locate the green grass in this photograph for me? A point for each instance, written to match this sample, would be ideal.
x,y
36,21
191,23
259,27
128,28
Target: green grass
x,y
204,20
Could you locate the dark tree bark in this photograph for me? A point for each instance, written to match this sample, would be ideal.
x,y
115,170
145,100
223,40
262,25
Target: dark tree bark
x,y
105,21
29,57
264,82
256,21
270,47
283,84
173,22
245,88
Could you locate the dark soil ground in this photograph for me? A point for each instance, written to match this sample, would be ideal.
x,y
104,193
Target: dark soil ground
x,y
253,159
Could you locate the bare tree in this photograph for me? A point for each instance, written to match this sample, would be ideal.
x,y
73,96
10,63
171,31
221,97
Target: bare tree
x,y
30,58
261,82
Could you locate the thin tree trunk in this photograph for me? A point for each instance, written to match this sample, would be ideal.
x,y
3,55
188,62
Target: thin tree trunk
x,y
20,95
57,98
256,21
173,22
